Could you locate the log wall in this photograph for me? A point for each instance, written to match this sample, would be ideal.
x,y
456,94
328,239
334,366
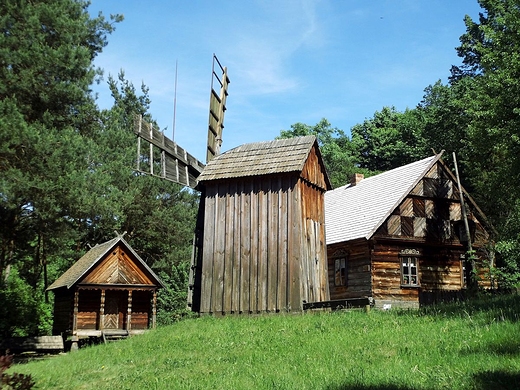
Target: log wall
x,y
88,309
359,280
63,306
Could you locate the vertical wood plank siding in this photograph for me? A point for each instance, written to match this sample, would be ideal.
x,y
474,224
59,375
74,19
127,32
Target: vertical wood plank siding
x,y
264,246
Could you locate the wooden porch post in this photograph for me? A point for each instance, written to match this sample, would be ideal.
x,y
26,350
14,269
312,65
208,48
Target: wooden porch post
x,y
102,311
75,312
129,312
74,345
154,308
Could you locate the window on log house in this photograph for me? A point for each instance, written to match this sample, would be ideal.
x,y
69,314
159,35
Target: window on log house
x,y
409,271
340,272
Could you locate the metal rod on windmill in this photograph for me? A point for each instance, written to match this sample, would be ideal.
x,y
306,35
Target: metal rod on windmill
x,y
174,102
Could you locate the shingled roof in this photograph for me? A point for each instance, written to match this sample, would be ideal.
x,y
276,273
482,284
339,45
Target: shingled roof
x,y
260,158
88,261
357,211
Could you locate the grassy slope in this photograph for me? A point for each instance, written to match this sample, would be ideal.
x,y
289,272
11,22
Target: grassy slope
x,y
470,346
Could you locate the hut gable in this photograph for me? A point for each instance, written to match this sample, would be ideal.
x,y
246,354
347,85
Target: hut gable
x,y
112,262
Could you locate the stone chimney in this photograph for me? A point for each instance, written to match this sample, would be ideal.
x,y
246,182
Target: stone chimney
x,y
356,178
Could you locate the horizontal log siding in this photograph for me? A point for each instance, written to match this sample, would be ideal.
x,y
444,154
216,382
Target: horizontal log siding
x,y
141,305
386,273
249,249
88,309
359,277
63,307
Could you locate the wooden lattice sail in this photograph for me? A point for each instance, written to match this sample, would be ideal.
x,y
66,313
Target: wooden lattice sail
x,y
157,155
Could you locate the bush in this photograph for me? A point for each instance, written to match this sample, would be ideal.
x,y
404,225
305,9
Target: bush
x,y
13,381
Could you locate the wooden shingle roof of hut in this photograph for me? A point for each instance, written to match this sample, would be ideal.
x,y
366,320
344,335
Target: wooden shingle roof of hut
x,y
261,158
90,259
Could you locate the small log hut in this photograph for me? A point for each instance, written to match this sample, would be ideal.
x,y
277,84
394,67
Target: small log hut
x,y
108,291
399,237
261,242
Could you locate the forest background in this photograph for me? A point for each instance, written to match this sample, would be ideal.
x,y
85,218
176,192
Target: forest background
x,y
67,177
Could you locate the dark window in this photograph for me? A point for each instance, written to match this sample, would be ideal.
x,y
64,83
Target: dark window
x,y
409,271
340,272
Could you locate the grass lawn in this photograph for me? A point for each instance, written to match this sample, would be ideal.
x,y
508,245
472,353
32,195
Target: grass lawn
x,y
472,345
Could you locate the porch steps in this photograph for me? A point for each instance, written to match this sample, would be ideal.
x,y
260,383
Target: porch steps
x,y
114,335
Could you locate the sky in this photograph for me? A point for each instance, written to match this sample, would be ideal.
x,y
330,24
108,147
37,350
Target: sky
x,y
288,61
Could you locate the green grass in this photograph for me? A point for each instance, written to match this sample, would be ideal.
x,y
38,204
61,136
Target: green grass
x,y
467,346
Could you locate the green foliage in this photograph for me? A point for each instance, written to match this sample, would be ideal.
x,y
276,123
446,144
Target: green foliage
x,y
13,381
336,149
472,345
67,174
390,139
172,300
23,311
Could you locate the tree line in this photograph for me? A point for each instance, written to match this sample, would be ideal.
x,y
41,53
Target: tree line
x,y
67,177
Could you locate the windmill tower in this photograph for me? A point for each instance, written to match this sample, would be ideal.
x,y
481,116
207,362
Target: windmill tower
x,y
259,242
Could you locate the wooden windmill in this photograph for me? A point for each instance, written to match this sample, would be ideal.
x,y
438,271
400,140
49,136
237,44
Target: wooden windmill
x,y
162,157
259,243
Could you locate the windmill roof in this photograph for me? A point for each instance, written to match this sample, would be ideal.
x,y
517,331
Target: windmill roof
x,y
90,259
357,211
260,158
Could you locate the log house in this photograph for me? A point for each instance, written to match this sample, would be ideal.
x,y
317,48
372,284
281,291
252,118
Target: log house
x,y
110,290
399,238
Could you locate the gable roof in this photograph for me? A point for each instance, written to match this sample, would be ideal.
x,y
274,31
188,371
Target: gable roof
x,y
353,212
262,158
90,259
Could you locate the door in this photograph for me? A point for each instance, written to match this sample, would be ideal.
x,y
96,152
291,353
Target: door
x,y
112,311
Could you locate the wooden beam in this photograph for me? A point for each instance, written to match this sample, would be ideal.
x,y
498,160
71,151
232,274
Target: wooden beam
x,y
341,304
129,312
102,311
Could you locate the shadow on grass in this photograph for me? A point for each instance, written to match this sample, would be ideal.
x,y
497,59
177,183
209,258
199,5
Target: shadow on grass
x,y
505,348
496,380
494,308
387,386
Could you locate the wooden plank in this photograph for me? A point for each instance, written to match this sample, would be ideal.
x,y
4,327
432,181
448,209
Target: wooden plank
x,y
32,344
292,247
282,302
237,261
220,249
419,227
263,242
208,250
274,229
394,225
245,246
407,229
406,208
230,275
255,236
297,244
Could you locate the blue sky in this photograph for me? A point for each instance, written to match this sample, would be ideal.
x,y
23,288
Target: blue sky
x,y
288,61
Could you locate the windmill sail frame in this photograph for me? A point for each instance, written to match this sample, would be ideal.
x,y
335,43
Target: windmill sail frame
x,y
217,109
172,161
